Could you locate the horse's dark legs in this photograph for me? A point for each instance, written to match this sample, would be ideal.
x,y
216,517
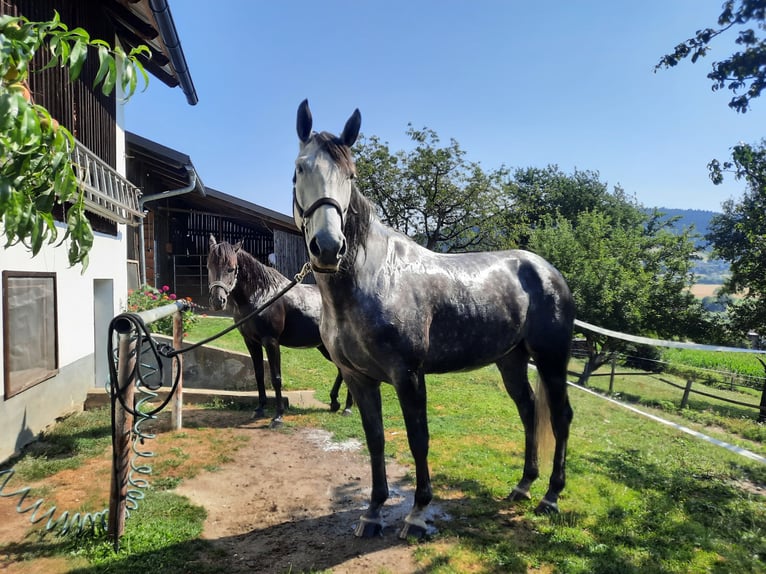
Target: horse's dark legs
x,y
334,403
367,395
275,368
256,354
412,399
335,392
553,374
513,368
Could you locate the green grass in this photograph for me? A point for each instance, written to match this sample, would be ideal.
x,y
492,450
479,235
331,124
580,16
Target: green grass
x,y
66,445
640,497
740,363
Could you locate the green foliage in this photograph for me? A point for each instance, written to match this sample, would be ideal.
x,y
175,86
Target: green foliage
x,y
36,171
742,71
630,277
432,193
150,298
533,194
738,235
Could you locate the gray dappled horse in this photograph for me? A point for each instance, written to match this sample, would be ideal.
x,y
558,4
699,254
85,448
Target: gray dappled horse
x,y
292,320
393,311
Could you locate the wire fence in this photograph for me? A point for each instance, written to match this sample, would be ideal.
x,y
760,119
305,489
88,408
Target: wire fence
x,y
701,381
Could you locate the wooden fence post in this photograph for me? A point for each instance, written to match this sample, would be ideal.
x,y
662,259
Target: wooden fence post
x,y
123,427
611,376
687,390
177,404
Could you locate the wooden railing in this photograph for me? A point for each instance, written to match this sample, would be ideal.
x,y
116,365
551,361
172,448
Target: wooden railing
x,y
107,193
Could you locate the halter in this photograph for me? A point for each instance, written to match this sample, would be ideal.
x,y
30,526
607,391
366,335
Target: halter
x,y
226,288
308,212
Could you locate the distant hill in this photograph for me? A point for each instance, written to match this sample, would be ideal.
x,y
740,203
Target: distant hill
x,y
699,218
708,270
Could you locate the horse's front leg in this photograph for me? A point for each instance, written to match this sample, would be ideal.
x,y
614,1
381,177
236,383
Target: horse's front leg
x,y
367,395
412,399
256,354
275,368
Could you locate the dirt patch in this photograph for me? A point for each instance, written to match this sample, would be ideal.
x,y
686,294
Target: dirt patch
x,y
286,500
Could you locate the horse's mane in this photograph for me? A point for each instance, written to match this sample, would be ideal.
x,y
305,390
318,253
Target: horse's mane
x,y
257,275
252,273
361,213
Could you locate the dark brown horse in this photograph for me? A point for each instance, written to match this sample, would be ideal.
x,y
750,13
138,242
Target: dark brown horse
x,y
393,311
292,320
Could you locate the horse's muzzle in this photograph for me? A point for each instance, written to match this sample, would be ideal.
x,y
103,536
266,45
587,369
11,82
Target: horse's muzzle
x,y
326,252
217,299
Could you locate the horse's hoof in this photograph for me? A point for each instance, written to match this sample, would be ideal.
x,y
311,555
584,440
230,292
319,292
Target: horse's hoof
x,y
413,529
517,494
546,507
347,412
259,413
276,423
334,407
368,528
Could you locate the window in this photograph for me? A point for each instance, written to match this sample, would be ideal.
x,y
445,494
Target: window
x,y
30,330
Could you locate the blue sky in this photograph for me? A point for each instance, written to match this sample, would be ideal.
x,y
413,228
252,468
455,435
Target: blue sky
x,y
518,84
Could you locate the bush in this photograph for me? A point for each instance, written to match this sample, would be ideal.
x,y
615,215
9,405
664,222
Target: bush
x,y
149,298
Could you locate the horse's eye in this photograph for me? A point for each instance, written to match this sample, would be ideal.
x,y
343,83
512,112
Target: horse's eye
x,y
231,269
299,168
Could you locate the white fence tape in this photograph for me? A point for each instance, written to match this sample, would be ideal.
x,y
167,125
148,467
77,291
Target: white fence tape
x,y
661,343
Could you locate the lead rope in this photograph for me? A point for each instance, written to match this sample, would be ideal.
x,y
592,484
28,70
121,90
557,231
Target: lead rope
x,y
169,352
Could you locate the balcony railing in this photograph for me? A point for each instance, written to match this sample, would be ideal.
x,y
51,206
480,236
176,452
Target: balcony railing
x,y
107,193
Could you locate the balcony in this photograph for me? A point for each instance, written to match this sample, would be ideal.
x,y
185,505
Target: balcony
x,y
107,193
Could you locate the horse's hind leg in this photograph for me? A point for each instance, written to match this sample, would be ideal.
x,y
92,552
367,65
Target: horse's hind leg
x,y
335,392
334,403
411,392
513,368
553,373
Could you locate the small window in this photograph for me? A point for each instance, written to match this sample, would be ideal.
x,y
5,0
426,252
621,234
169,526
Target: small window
x,y
30,330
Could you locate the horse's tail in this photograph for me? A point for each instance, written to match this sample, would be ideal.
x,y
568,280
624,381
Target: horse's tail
x,y
543,428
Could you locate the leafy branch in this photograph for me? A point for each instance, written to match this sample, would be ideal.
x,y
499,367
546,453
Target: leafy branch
x,y
36,168
745,70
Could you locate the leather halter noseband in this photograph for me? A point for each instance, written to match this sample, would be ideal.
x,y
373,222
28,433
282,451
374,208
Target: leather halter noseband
x,y
226,288
306,213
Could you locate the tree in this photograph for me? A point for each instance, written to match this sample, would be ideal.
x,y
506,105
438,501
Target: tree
x,y
533,194
738,236
631,278
431,193
742,71
36,170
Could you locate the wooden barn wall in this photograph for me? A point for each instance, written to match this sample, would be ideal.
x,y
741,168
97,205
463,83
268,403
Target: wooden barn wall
x,y
180,238
87,113
290,253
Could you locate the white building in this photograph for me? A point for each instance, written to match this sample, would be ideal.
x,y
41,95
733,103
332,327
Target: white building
x,y
55,318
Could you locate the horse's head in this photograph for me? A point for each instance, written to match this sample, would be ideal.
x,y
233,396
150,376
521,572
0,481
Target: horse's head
x,y
222,269
324,174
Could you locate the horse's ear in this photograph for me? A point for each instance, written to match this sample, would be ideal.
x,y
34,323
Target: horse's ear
x,y
211,241
351,129
304,122
237,246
